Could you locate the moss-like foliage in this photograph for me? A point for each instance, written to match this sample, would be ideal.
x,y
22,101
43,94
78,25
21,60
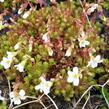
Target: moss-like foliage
x,y
64,26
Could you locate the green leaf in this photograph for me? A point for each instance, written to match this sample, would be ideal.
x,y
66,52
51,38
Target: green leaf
x,y
106,92
45,64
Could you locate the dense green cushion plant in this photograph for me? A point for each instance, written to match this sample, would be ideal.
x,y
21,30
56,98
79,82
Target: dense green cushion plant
x,y
55,43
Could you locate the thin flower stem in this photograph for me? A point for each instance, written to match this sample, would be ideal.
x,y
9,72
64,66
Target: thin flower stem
x,y
106,83
34,101
105,97
85,94
86,101
85,13
49,106
107,102
9,86
96,107
52,101
98,85
31,97
41,96
43,104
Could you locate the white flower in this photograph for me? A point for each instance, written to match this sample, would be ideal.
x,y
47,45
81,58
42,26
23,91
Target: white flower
x,y
46,38
83,43
17,46
30,47
82,40
1,0
22,94
17,97
26,14
73,76
68,52
92,9
20,10
95,61
1,98
44,86
20,66
30,44
50,51
6,62
11,54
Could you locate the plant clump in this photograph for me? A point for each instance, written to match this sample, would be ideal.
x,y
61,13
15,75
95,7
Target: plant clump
x,y
53,50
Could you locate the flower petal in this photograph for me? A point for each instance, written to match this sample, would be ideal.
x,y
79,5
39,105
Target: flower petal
x,y
97,57
22,93
46,91
12,95
1,0
19,67
6,63
2,98
68,52
69,73
17,46
44,86
94,64
17,101
46,38
75,81
69,80
26,14
75,69
38,87
50,51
